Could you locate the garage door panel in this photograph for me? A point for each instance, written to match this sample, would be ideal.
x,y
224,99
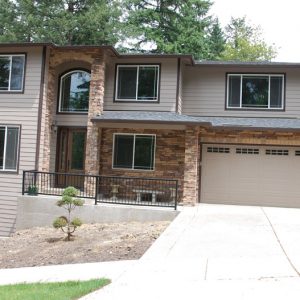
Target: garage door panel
x,y
264,176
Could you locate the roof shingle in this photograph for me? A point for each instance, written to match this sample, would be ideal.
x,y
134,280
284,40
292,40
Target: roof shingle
x,y
174,118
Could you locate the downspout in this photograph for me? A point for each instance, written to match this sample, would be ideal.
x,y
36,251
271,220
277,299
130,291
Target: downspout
x,y
41,98
177,85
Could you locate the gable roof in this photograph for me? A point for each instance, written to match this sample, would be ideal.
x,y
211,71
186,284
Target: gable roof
x,y
109,47
188,57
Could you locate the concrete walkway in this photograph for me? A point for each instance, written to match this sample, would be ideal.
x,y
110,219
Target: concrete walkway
x,y
218,252
112,270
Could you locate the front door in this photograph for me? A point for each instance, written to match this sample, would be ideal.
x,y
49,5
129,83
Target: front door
x,y
71,156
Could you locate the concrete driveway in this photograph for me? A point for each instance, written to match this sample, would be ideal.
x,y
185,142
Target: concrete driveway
x,y
218,252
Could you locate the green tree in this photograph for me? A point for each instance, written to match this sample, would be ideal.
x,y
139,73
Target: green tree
x,y
172,26
216,41
7,17
69,202
244,42
60,21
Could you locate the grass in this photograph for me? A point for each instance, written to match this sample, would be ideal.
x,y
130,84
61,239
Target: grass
x,y
68,290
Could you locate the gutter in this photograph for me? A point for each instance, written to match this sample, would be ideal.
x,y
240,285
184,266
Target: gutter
x,y
195,123
96,120
255,128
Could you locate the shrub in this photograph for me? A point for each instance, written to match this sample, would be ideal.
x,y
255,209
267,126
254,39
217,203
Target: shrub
x,y
32,190
69,201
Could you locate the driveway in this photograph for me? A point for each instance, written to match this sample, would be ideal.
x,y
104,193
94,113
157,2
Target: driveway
x,y
218,252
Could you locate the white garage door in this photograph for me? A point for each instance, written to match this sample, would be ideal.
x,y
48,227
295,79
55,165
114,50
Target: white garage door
x,y
250,175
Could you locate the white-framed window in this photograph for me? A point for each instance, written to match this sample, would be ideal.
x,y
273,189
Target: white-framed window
x,y
255,91
74,91
12,72
9,147
137,83
134,151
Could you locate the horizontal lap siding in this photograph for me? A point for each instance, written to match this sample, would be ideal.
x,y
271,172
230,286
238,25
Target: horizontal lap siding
x,y
204,92
168,83
20,109
71,120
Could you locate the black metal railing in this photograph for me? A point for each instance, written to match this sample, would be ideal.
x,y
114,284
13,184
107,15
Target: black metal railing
x,y
104,189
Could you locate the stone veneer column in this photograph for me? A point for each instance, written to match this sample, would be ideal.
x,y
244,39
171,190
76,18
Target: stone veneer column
x,y
191,166
96,99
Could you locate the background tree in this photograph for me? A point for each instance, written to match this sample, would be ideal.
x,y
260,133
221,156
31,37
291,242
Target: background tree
x,y
173,26
60,21
244,42
216,41
159,26
7,17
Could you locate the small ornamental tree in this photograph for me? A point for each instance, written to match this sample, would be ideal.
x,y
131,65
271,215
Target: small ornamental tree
x,y
68,202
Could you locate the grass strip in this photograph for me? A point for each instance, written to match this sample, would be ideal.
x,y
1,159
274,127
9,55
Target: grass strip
x,y
68,290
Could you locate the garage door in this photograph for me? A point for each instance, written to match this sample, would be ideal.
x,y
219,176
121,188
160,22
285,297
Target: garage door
x,y
250,175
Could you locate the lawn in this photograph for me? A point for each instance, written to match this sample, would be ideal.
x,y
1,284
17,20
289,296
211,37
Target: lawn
x,y
51,291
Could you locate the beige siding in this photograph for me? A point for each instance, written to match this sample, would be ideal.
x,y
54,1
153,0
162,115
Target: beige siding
x,y
204,92
20,109
71,120
168,82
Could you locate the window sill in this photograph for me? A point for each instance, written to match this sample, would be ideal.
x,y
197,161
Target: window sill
x,y
132,170
12,92
255,109
137,101
13,172
72,113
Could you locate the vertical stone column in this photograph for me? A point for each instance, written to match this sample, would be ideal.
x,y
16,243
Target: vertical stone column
x,y
191,166
93,139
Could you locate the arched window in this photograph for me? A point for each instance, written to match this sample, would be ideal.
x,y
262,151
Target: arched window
x,y
74,91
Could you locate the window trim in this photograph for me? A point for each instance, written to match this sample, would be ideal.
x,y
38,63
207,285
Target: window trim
x,y
133,152
115,99
61,76
21,91
241,108
16,170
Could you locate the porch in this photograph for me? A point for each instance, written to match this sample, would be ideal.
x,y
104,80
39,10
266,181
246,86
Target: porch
x,y
104,189
147,166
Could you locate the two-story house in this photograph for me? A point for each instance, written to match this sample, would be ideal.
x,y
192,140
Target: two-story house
x,y
79,115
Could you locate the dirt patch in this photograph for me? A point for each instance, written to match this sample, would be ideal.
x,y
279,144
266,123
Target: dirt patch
x,y
92,243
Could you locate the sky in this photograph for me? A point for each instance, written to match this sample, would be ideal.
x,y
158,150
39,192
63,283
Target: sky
x,y
279,20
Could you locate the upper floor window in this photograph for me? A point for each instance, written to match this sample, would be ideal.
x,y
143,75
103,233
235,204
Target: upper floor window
x,y
74,91
9,147
12,72
137,83
262,91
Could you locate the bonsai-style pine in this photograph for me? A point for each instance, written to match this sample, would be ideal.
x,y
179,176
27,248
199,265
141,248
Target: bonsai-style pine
x,y
69,201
